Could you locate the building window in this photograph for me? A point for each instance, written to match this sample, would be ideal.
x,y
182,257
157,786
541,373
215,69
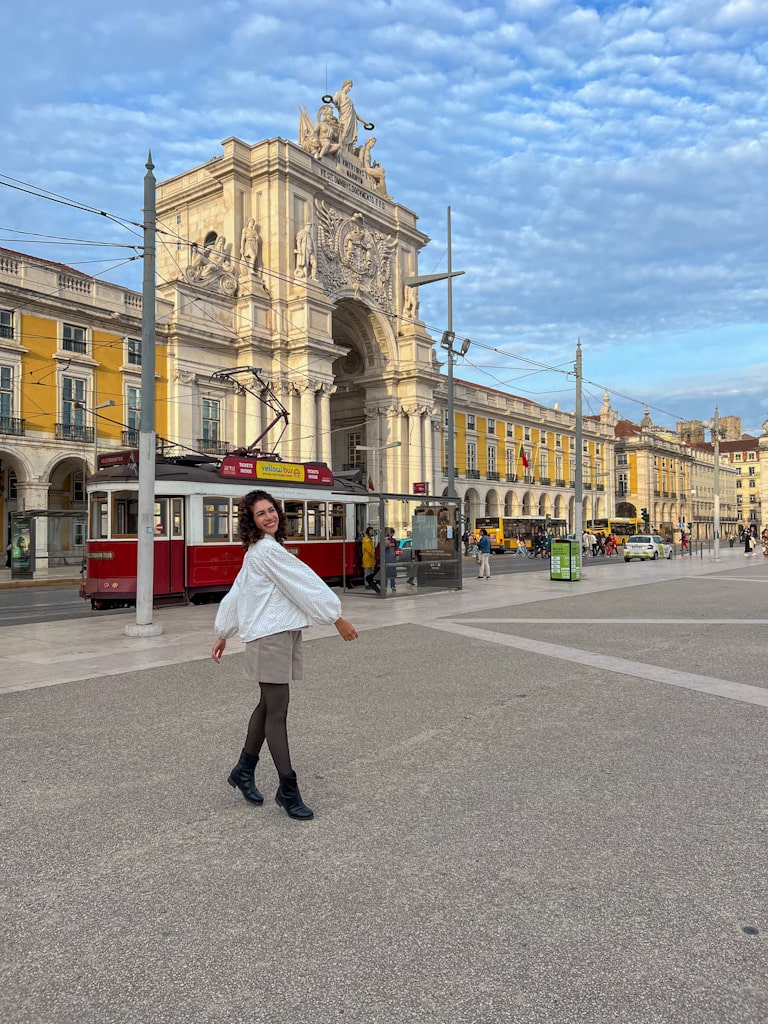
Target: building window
x,y
12,489
6,392
622,484
738,483
491,426
491,459
6,323
211,419
751,470
511,458
470,421
559,470
543,457
526,433
558,440
353,455
133,410
510,430
737,457
445,417
73,402
74,339
751,456
134,351
752,483
78,491
471,457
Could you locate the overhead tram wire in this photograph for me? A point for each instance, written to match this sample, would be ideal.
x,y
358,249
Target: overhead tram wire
x,y
54,197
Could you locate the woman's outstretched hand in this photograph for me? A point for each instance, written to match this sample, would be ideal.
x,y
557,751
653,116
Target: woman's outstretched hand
x,y
218,650
346,630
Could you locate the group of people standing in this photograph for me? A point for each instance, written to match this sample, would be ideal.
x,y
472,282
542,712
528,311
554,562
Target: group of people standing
x,y
595,544
371,558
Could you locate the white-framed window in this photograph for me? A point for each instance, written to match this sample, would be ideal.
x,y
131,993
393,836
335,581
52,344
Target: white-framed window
x,y
491,426
543,458
354,457
73,401
74,339
622,459
78,488
470,421
6,323
737,457
558,440
511,457
526,433
491,458
133,351
558,467
622,484
211,419
445,417
471,456
751,456
751,470
133,414
6,392
510,430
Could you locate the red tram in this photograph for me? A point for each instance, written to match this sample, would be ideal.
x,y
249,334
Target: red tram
x,y
197,551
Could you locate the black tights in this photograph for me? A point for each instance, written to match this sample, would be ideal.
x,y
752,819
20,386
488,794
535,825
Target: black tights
x,y
268,721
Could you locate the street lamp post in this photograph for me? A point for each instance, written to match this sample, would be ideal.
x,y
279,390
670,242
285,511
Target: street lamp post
x,y
378,450
716,483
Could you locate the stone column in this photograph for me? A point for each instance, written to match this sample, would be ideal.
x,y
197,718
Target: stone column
x,y
308,439
325,438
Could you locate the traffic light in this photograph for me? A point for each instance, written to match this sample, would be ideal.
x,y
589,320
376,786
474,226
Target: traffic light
x,y
645,516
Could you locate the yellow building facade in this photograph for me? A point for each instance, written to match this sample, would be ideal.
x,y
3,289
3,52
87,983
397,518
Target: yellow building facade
x,y
70,387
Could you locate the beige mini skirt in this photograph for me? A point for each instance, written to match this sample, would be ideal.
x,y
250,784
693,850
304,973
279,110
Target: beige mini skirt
x,y
275,659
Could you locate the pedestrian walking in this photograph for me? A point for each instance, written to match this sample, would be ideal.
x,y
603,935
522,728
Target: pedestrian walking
x,y
390,562
274,597
369,560
484,556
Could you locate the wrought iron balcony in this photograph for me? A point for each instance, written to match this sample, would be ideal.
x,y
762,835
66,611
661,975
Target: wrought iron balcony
x,y
131,437
511,478
11,425
586,485
491,475
560,482
6,331
545,480
600,487
208,446
74,432
473,474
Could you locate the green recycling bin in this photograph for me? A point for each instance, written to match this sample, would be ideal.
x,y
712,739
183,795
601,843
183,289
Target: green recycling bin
x,y
565,560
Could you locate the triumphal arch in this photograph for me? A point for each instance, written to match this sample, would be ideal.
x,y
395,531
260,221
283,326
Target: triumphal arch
x,y
292,258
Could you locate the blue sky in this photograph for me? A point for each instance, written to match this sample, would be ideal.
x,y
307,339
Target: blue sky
x,y
605,163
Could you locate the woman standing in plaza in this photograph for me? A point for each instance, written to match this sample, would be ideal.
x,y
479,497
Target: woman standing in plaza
x,y
274,597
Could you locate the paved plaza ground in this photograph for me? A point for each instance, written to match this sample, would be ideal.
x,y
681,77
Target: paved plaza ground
x,y
535,802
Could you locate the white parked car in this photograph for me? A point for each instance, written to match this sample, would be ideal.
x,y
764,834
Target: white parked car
x,y
647,546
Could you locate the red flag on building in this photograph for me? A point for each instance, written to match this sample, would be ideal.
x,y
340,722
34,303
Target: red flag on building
x,y
370,484
523,456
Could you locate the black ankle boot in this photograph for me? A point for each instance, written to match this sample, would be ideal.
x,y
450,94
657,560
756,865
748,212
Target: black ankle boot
x,y
289,797
241,777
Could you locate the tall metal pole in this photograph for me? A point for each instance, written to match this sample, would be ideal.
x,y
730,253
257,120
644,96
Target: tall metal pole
x,y
716,431
578,477
147,443
450,453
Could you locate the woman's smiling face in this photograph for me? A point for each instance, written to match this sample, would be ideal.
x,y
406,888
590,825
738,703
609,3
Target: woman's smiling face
x,y
265,516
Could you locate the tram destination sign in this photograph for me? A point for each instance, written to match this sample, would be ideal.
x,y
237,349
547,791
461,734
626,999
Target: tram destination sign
x,y
238,468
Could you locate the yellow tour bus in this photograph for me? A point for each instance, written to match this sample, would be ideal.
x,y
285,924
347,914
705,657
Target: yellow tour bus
x,y
622,528
506,531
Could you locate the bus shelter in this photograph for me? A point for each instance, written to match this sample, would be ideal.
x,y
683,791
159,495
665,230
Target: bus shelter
x,y
419,543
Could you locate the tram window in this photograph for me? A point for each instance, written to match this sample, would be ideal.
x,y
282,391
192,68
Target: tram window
x,y
294,519
316,520
161,518
216,518
338,521
98,516
177,519
125,514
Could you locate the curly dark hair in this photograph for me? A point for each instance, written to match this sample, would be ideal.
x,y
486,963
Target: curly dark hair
x,y
249,531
